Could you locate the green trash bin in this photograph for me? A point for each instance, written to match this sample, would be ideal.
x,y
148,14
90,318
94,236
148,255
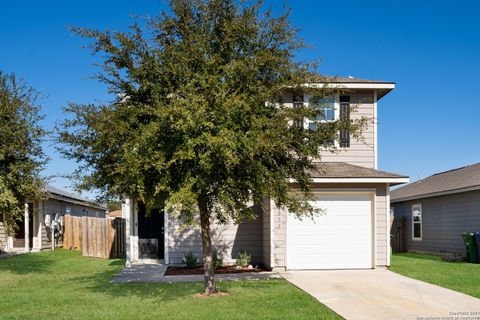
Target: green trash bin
x,y
470,246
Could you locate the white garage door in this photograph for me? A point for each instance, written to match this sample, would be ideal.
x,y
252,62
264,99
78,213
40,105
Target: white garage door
x,y
340,238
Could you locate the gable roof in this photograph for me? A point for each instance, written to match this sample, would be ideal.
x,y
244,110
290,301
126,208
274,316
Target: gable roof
x,y
355,80
63,195
452,181
340,172
380,86
347,170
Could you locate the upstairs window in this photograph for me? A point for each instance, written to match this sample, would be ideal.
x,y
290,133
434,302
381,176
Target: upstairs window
x,y
417,222
327,109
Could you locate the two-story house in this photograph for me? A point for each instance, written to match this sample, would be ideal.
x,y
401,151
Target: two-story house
x,y
353,232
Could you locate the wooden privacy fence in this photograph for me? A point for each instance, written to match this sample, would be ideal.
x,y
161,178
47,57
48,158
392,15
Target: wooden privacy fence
x,y
95,237
398,235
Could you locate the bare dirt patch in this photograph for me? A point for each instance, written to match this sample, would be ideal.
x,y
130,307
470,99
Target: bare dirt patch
x,y
213,295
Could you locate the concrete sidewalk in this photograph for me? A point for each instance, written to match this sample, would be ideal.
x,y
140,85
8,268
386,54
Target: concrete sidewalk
x,y
381,294
155,273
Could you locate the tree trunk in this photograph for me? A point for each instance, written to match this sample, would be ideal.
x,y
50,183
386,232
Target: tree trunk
x,y
209,280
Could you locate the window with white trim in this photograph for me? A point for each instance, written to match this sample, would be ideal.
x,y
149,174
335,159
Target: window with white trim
x,y
417,221
327,113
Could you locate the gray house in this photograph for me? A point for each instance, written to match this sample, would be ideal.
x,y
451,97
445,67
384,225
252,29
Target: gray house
x,y
353,234
34,230
438,209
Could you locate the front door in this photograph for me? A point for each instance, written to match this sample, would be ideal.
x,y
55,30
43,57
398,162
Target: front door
x,y
19,238
150,233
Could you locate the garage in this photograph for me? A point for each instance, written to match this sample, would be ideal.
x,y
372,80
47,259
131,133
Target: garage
x,y
339,238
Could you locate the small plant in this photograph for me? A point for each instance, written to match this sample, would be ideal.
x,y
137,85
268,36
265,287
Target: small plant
x,y
190,260
217,259
243,259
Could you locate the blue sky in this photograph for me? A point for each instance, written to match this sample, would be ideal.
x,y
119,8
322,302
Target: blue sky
x,y
430,48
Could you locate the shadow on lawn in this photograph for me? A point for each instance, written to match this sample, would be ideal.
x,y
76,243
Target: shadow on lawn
x,y
100,283
27,263
420,256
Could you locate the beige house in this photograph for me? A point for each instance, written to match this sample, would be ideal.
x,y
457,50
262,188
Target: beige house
x,y
38,227
353,232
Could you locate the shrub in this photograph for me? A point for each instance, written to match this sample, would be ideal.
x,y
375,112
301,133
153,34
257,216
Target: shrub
x,y
190,260
243,259
217,259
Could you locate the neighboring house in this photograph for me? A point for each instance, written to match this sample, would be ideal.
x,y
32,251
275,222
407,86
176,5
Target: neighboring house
x,y
115,214
34,232
352,234
438,209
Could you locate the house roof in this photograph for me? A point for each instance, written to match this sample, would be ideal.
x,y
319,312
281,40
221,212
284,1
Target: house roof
x,y
70,197
115,214
355,80
380,86
453,181
332,172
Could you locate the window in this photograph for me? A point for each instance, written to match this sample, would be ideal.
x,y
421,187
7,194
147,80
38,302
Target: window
x,y
68,210
417,222
1,217
327,109
326,106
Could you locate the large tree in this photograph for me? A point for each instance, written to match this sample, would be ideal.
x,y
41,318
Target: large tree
x,y
21,154
198,125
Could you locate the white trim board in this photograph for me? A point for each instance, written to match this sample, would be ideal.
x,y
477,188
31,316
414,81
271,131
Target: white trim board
x,y
365,85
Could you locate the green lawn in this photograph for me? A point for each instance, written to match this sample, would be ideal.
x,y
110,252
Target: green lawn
x,y
458,276
65,285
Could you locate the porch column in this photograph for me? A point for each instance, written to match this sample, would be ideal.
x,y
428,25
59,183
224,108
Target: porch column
x,y
127,214
27,228
37,243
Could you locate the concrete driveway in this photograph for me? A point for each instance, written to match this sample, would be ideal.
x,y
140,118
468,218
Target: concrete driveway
x,y
381,294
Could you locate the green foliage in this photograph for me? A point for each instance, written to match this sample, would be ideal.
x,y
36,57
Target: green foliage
x,y
113,205
21,154
217,259
243,259
199,122
191,260
198,115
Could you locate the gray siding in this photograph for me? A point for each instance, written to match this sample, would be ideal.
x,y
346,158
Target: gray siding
x,y
53,206
445,218
381,226
227,239
361,151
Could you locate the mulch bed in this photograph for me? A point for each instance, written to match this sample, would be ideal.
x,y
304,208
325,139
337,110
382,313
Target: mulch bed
x,y
213,295
182,271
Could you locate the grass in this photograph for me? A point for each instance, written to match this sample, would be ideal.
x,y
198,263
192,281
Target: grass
x,y
459,276
64,285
